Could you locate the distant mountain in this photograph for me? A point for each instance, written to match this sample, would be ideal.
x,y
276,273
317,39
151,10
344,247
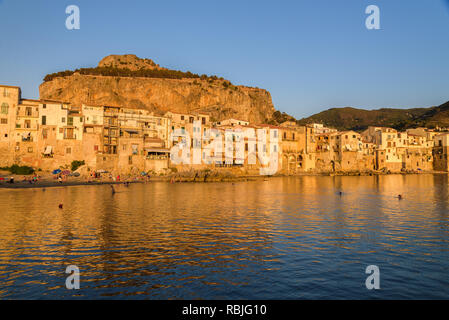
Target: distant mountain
x,y
359,119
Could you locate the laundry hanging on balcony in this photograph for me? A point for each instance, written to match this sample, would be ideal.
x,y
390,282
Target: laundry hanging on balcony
x,y
48,150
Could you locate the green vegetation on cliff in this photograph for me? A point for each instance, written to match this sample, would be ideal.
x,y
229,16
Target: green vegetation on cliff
x,y
126,72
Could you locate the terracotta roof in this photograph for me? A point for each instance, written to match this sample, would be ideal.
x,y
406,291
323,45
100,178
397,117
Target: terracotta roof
x,y
44,100
269,126
5,86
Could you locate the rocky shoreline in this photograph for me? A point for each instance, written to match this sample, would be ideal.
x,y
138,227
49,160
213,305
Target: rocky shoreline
x,y
192,176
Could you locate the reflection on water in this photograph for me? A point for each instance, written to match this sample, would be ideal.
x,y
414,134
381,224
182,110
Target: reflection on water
x,y
286,238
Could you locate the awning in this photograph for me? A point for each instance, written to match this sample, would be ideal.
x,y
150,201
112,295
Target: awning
x,y
48,150
157,150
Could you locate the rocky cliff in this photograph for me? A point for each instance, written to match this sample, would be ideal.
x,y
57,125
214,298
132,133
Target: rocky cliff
x,y
145,85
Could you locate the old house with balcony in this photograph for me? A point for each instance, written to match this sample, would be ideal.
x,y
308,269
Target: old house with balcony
x,y
25,134
441,151
92,133
293,148
10,97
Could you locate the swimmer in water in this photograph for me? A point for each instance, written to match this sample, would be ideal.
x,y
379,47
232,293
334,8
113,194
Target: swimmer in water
x,y
400,197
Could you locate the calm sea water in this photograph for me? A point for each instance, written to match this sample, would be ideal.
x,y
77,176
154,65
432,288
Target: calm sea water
x,y
286,238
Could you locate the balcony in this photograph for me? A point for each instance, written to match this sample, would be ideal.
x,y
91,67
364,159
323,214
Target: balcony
x,y
27,139
27,114
27,126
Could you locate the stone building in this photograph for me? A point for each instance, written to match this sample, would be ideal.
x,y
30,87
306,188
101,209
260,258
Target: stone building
x,y
50,134
441,151
60,135
293,148
10,97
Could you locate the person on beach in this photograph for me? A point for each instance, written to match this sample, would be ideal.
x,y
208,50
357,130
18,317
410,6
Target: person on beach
x,y
113,190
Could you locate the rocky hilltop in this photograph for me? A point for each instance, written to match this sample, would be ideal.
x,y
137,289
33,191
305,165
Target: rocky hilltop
x,y
129,61
128,81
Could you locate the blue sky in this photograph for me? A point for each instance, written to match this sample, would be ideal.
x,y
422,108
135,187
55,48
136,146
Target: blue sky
x,y
311,55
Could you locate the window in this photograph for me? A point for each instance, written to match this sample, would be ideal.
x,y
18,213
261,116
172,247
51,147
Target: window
x,y
182,117
44,120
70,121
95,148
30,149
44,133
68,150
44,106
5,108
63,120
69,133
6,92
28,111
4,121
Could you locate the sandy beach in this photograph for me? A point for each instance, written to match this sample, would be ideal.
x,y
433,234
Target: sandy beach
x,y
47,180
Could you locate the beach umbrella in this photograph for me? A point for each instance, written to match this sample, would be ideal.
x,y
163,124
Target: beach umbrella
x,y
57,171
66,172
